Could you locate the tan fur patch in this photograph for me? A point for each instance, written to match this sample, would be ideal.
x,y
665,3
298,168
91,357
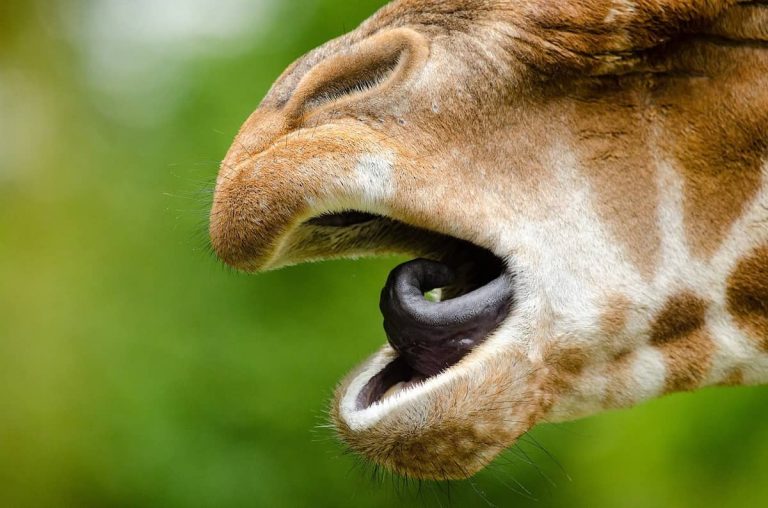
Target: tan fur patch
x,y
613,323
715,123
734,378
614,320
743,22
747,295
679,333
619,390
564,366
611,136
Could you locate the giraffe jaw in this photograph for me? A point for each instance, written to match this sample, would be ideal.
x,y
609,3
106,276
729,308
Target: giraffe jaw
x,y
443,414
433,356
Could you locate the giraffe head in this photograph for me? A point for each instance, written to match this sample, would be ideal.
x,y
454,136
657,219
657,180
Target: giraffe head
x,y
574,176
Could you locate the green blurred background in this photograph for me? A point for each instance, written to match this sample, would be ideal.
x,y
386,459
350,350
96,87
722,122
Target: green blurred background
x,y
136,371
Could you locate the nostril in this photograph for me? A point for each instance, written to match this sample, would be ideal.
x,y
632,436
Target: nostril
x,y
373,64
368,76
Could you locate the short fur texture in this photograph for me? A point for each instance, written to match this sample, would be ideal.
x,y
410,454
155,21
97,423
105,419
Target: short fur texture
x,y
613,152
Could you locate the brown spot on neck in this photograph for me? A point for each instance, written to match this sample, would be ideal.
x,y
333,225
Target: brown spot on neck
x,y
747,295
613,322
680,317
679,332
564,366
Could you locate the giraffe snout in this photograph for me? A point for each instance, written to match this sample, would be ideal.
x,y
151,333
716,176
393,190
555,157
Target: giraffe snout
x,y
269,208
247,218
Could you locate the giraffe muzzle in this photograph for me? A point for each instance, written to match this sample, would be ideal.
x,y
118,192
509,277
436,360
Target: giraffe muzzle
x,y
316,173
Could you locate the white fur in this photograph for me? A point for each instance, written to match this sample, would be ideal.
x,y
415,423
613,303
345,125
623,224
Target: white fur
x,y
621,9
567,262
648,374
373,178
736,349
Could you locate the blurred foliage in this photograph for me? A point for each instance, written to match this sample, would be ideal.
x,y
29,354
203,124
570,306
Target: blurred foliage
x,y
137,371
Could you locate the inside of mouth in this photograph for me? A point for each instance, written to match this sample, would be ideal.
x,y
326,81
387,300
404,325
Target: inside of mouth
x,y
342,219
431,335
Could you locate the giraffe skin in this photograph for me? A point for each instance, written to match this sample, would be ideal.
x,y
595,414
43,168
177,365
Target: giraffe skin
x,y
613,153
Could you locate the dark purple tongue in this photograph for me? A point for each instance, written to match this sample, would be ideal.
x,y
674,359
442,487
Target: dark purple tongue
x,y
430,336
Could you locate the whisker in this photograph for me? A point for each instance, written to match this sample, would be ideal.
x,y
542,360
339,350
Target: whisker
x,y
531,439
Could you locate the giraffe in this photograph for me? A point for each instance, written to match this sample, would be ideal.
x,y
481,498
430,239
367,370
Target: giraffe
x,y
583,183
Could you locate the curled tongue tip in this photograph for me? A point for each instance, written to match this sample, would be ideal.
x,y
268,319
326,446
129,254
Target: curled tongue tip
x,y
432,336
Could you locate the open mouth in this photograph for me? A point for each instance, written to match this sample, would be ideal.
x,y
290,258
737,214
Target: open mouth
x,y
434,402
437,309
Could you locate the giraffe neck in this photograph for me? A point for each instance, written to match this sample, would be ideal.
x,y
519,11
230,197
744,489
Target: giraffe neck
x,y
659,182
